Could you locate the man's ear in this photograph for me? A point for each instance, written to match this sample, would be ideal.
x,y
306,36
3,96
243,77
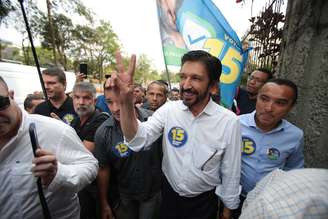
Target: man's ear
x,y
214,88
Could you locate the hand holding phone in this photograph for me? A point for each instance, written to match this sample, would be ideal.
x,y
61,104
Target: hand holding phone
x,y
45,162
84,68
41,180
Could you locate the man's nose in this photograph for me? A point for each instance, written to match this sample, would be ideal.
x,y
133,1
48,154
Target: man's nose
x,y
186,84
80,101
268,106
115,107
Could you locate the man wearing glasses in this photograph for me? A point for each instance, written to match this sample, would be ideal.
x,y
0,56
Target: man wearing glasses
x,y
62,162
246,98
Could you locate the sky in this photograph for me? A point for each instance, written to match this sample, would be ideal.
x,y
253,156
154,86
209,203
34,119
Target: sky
x,y
136,23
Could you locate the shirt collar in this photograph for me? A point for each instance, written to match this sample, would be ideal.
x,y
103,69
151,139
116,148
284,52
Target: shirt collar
x,y
209,109
251,123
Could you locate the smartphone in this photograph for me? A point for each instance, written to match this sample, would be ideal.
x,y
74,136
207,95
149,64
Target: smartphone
x,y
84,68
33,137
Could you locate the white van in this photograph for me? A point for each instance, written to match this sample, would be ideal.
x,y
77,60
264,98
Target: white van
x,y
24,80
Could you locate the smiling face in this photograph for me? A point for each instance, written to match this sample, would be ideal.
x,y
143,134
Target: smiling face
x,y
195,85
273,103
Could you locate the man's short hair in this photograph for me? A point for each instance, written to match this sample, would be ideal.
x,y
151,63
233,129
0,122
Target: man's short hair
x,y
212,64
85,87
56,71
266,71
136,85
161,83
29,99
4,83
288,83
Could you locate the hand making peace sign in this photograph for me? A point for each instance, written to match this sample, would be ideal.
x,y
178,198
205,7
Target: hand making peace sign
x,y
122,81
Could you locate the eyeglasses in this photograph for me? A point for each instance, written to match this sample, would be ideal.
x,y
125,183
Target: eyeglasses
x,y
4,103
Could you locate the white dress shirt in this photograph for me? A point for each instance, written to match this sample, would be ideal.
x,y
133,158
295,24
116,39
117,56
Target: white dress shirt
x,y
18,189
199,153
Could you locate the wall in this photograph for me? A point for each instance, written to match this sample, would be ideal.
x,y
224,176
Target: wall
x,y
304,59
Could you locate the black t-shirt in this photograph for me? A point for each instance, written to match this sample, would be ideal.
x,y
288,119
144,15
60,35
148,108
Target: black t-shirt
x,y
245,104
65,112
88,129
138,174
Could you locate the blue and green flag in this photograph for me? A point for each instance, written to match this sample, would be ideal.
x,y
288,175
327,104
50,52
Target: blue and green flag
x,y
199,25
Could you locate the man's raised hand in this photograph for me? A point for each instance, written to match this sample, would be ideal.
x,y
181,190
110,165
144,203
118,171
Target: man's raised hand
x,y
122,80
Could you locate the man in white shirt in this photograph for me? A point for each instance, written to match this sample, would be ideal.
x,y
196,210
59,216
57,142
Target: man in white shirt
x,y
201,140
62,163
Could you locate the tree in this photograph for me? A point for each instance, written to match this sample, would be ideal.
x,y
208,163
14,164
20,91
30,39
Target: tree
x,y
96,46
51,29
5,8
56,23
144,72
266,34
62,28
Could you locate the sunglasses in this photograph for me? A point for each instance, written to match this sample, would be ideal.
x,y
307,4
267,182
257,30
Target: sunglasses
x,y
4,103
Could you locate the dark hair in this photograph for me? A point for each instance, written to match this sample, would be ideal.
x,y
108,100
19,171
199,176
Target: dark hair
x,y
288,83
4,83
30,97
266,71
211,63
161,83
56,71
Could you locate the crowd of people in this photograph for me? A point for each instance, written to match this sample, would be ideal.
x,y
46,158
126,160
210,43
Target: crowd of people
x,y
158,153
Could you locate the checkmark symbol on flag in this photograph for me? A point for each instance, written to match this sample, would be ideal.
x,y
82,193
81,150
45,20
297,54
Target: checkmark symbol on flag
x,y
193,41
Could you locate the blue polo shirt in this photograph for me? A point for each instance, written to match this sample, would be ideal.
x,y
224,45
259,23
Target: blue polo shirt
x,y
263,152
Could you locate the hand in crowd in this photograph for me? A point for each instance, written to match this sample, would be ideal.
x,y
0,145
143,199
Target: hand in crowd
x,y
45,166
54,115
226,214
122,81
106,212
79,77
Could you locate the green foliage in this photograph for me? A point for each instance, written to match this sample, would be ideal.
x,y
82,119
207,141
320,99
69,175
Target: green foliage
x,y
96,46
93,42
144,73
5,8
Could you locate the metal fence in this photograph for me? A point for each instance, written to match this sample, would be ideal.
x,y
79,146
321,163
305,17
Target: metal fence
x,y
265,36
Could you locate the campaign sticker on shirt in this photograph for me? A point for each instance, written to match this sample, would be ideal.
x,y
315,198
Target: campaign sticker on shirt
x,y
249,145
273,153
177,136
68,118
121,150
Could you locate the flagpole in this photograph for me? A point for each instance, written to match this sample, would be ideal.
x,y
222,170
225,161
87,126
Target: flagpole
x,y
33,50
166,69
43,201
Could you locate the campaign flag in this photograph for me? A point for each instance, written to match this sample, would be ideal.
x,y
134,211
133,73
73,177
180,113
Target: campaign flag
x,y
199,25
